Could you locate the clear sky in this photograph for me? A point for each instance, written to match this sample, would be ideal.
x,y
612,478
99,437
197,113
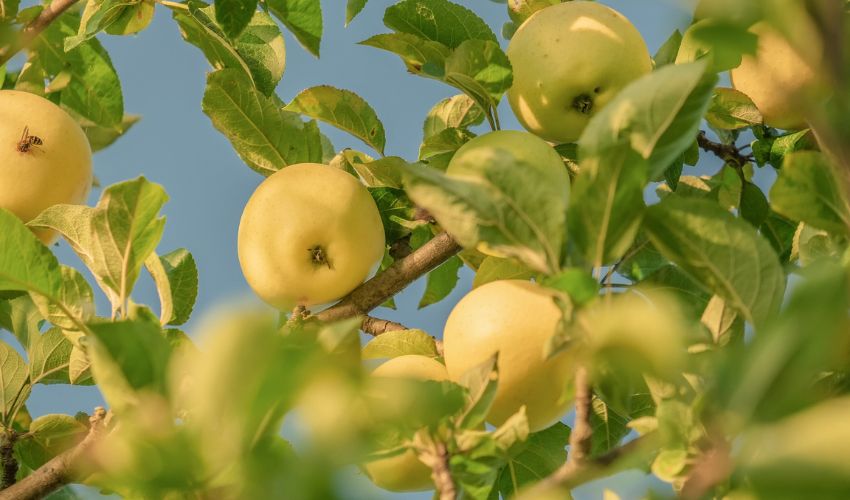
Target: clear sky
x,y
175,145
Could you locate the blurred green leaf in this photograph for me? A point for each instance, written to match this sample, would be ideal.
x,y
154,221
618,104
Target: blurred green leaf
x,y
731,110
669,49
808,190
753,207
724,253
400,343
496,268
265,137
344,110
48,436
303,18
482,381
542,454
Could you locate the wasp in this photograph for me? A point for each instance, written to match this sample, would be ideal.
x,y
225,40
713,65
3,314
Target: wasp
x,y
28,141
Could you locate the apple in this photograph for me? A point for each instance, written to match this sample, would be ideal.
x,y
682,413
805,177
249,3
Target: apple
x,y
777,79
45,158
309,234
405,472
516,319
523,148
570,60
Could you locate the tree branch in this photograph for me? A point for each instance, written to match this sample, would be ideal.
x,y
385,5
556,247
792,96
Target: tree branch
x,y
726,152
580,437
377,326
392,280
34,28
7,459
60,470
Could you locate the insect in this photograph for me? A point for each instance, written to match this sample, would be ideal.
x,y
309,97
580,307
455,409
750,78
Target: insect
x,y
28,141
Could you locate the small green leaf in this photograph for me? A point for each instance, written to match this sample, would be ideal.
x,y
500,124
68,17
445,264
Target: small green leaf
x,y
753,207
303,18
79,367
807,190
265,137
577,283
48,436
669,464
421,57
14,384
496,268
784,145
458,111
543,453
176,278
484,62
234,15
344,110
482,381
383,172
779,231
722,252
669,49
49,358
73,304
607,426
437,20
352,8
732,110
397,212
441,281
259,52
135,17
102,137
400,343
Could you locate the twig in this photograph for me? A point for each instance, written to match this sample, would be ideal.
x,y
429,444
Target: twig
x,y
7,459
60,470
726,152
581,434
392,280
34,28
434,453
377,326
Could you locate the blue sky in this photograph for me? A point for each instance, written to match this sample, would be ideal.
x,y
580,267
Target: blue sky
x,y
175,145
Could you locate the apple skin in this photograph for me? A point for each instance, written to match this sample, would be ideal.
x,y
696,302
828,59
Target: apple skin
x,y
777,79
516,318
570,60
57,171
296,211
405,472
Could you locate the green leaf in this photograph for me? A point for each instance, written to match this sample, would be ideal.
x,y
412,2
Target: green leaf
x,y
731,110
344,110
94,90
608,427
779,231
72,304
481,381
303,18
441,281
49,358
514,209
721,43
14,382
397,212
484,62
607,204
421,57
577,283
495,268
458,111
784,145
48,436
259,51
102,137
722,321
437,20
543,453
176,278
22,318
724,253
79,367
669,49
658,116
114,238
234,15
135,17
807,190
128,356
753,206
352,8
439,148
383,172
97,15
266,137
400,343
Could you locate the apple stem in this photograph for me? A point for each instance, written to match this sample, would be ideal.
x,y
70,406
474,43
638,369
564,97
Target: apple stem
x,y
583,104
319,256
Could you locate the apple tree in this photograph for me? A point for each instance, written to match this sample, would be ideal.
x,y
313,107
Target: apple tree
x,y
694,326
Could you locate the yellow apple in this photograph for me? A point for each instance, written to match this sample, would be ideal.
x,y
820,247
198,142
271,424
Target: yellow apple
x,y
570,60
516,319
45,158
777,79
309,234
527,150
405,472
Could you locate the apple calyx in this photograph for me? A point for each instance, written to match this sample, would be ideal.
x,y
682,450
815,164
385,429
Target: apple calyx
x,y
583,103
319,256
